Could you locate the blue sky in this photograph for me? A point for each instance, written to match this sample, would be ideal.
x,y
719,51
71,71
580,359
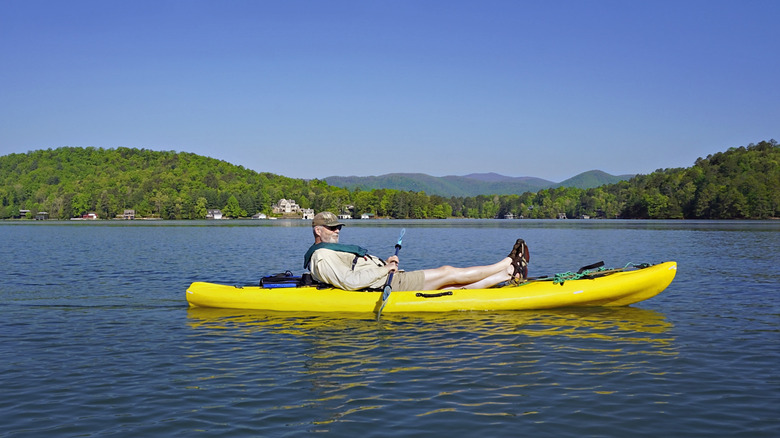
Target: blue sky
x,y
310,89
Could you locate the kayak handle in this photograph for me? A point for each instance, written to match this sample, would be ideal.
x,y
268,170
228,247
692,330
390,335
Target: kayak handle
x,y
437,295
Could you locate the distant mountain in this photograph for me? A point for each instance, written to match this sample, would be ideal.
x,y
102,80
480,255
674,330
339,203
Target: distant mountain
x,y
416,182
470,185
495,177
593,178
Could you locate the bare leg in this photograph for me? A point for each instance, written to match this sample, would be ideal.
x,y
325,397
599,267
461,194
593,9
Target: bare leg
x,y
472,277
490,281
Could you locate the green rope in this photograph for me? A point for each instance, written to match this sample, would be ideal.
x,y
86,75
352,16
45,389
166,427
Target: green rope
x,y
566,276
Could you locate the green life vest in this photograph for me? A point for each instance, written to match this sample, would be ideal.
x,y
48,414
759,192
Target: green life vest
x,y
359,251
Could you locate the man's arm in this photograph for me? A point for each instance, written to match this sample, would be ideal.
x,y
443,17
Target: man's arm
x,y
336,269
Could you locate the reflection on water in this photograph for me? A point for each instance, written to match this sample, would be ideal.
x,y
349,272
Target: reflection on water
x,y
623,324
481,364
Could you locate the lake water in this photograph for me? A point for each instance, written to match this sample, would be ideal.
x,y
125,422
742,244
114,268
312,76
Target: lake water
x,y
96,338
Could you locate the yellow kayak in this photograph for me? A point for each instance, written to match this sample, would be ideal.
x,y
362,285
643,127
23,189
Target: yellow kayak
x,y
620,287
607,288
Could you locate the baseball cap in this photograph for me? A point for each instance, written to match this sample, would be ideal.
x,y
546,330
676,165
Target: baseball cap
x,y
326,219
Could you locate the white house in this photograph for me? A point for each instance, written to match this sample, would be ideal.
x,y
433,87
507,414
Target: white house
x,y
214,214
286,206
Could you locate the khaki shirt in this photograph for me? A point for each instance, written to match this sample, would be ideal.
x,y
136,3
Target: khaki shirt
x,y
335,268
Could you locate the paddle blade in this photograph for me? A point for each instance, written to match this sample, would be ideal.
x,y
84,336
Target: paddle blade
x,y
401,237
386,294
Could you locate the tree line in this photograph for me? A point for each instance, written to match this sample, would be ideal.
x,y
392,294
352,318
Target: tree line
x,y
67,182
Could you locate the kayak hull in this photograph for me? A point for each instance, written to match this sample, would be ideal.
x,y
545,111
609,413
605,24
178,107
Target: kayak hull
x,y
616,289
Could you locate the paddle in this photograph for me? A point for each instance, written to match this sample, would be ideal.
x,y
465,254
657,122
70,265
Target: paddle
x,y
388,288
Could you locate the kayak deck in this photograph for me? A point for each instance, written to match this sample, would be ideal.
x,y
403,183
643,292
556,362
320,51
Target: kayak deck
x,y
613,289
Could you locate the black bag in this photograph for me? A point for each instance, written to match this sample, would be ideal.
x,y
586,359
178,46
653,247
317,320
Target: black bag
x,y
286,279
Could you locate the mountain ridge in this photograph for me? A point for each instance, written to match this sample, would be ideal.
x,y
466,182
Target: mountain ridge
x,y
473,184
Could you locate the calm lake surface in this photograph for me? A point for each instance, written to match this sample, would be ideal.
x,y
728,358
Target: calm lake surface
x,y
96,338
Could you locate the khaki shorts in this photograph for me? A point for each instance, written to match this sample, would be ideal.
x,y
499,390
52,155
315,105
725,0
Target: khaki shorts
x,y
408,280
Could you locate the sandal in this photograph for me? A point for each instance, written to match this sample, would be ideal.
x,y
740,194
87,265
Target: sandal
x,y
515,249
520,256
520,248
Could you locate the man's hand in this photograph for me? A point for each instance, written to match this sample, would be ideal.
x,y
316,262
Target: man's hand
x,y
392,263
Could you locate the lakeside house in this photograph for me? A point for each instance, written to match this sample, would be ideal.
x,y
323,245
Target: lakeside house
x,y
286,206
214,214
91,216
128,215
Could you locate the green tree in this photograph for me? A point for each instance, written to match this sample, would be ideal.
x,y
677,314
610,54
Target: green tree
x,y
365,202
233,209
201,208
442,211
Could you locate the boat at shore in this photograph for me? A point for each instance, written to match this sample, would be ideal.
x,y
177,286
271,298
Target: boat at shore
x,y
604,287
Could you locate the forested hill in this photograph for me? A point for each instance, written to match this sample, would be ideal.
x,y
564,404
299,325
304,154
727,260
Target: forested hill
x,y
740,183
67,182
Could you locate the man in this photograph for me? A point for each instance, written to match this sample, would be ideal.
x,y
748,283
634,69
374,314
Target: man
x,y
350,267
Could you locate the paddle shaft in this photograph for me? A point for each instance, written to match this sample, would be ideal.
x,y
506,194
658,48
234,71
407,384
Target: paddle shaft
x,y
388,288
390,277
